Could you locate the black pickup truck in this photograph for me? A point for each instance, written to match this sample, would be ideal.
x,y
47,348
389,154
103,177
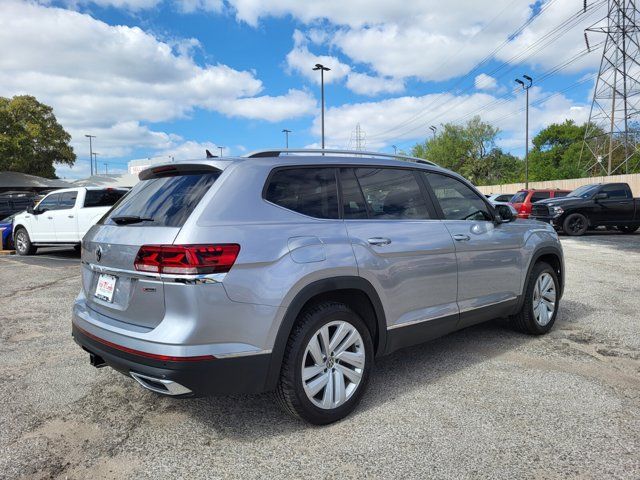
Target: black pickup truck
x,y
590,206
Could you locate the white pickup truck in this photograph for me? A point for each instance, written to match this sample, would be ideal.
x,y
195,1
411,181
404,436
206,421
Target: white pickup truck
x,y
62,217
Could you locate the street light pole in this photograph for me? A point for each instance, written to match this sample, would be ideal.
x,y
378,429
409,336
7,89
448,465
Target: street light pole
x,y
433,130
526,87
95,162
286,137
91,137
395,149
322,69
221,150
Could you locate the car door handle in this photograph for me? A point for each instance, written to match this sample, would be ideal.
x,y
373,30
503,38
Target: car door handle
x,y
70,216
379,241
50,218
459,237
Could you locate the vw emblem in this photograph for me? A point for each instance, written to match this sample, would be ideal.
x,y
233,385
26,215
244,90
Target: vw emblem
x,y
98,253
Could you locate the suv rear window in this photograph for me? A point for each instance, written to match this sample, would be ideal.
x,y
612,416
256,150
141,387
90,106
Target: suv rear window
x,y
166,201
310,191
103,198
519,197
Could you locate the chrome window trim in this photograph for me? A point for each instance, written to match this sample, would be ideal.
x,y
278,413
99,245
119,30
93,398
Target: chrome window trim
x,y
189,279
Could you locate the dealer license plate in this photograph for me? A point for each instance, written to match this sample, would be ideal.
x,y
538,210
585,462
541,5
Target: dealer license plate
x,y
105,287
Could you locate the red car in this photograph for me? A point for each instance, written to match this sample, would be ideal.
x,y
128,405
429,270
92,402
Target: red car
x,y
524,198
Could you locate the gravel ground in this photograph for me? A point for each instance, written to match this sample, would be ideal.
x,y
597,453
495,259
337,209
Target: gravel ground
x,y
481,403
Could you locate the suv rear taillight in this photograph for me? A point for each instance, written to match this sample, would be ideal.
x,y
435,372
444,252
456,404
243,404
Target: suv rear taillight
x,y
187,259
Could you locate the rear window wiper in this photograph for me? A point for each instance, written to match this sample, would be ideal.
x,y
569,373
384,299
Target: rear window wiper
x,y
127,219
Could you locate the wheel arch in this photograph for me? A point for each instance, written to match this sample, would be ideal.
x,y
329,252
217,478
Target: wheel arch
x,y
18,227
356,292
551,255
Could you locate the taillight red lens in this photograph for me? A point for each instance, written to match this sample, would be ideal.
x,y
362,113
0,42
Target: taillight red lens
x,y
187,259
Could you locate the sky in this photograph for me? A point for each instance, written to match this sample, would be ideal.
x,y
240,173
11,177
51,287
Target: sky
x,y
175,77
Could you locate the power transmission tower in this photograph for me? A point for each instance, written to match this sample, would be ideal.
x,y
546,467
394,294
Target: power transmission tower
x,y
358,140
612,136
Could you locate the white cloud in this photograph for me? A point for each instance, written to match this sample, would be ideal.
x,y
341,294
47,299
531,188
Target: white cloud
x,y
273,109
367,85
374,117
302,61
191,6
485,82
112,79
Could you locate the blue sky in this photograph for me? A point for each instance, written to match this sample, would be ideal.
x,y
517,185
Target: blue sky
x,y
173,77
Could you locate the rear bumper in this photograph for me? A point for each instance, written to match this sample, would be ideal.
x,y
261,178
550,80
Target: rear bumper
x,y
242,374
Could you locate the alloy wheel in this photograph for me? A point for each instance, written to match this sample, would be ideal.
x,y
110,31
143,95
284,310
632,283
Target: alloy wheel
x,y
21,242
333,364
544,299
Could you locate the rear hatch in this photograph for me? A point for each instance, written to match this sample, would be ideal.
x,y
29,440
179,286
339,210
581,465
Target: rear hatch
x,y
152,213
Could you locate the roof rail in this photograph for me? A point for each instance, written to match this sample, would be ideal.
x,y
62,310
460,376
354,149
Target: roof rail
x,y
355,153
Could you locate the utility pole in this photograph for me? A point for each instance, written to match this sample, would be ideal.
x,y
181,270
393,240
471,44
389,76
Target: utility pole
x,y
91,137
286,137
322,69
526,87
615,97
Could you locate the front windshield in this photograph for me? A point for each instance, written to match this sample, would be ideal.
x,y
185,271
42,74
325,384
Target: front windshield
x,y
585,191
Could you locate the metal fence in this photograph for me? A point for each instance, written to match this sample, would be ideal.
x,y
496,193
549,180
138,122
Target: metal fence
x,y
569,184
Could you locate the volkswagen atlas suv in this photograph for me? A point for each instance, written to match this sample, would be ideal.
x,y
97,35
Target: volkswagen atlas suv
x,y
292,271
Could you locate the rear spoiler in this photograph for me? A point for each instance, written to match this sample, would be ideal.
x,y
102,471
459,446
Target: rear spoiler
x,y
176,169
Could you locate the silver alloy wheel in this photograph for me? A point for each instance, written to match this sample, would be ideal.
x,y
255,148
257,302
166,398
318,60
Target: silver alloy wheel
x,y
544,299
333,364
21,241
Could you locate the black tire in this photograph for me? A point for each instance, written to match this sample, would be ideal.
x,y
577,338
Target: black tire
x,y
575,225
23,243
628,228
290,392
77,247
525,320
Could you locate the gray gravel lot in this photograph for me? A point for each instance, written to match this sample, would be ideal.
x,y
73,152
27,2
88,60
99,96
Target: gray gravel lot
x,y
482,403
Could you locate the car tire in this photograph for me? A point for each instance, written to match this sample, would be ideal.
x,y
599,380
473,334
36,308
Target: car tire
x,y
344,382
23,243
575,225
628,228
534,317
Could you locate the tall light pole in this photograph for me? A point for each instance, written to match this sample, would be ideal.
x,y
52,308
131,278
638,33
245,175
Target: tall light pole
x,y
526,86
106,168
322,69
286,136
395,149
95,161
221,150
91,137
433,130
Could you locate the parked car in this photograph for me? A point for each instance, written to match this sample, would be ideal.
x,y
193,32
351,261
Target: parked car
x,y
291,273
590,206
16,201
62,217
523,200
6,226
500,197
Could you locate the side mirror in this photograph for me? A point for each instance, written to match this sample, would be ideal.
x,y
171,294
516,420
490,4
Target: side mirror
x,y
601,196
31,210
505,214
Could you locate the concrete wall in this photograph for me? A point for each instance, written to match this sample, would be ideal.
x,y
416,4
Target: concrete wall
x,y
570,184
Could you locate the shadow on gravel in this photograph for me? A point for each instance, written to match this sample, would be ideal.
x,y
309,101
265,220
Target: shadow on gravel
x,y
248,417
608,238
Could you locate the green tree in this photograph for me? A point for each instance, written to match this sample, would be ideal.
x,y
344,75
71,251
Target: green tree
x,y
31,139
556,152
470,150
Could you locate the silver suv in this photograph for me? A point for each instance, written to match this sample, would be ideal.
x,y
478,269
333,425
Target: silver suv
x,y
292,272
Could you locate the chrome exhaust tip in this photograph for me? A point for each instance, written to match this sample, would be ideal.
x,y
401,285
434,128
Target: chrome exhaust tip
x,y
160,385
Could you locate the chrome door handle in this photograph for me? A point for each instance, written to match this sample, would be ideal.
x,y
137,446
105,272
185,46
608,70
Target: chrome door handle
x,y
459,237
379,241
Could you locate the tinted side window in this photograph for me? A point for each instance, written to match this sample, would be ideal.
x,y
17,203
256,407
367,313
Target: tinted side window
x,y
102,198
352,199
458,202
503,198
392,194
67,200
537,196
310,191
167,200
560,194
50,202
615,191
